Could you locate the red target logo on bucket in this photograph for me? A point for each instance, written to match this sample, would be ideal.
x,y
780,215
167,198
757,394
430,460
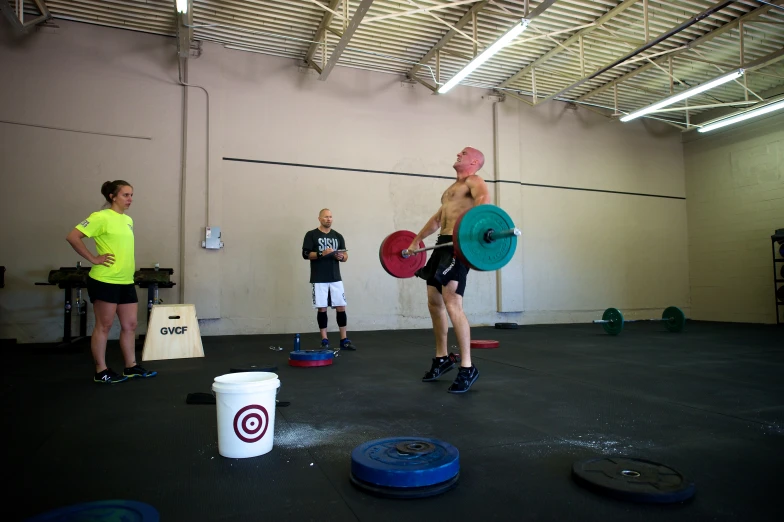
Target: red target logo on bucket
x,y
250,423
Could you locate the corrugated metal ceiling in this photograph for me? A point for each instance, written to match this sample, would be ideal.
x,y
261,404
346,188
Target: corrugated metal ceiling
x,y
560,52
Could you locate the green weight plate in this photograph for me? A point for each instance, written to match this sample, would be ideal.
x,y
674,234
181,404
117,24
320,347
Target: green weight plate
x,y
469,238
674,319
615,326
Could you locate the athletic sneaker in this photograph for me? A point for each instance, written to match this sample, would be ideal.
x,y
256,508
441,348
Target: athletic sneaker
x,y
345,344
109,377
465,378
440,366
138,371
325,344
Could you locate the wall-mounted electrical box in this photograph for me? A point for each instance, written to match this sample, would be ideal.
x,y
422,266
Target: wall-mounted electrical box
x,y
212,238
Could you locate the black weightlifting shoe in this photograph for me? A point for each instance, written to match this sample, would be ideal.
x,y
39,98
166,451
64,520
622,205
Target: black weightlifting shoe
x,y
440,366
109,377
465,378
137,371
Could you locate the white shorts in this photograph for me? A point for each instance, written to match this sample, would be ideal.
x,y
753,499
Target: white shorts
x,y
328,294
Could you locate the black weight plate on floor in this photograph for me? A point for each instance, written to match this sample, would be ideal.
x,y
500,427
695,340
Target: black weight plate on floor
x,y
632,479
253,368
405,493
125,510
506,326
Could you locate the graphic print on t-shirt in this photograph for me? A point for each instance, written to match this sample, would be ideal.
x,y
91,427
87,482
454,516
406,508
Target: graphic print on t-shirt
x,y
328,242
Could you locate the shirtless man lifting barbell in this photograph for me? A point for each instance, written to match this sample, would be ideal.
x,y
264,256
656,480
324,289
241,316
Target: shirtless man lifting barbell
x,y
446,276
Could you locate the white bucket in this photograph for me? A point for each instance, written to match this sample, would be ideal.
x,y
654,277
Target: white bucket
x,y
246,413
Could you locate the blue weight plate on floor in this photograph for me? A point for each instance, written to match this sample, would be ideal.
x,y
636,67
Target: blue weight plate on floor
x,y
405,493
311,355
405,462
104,510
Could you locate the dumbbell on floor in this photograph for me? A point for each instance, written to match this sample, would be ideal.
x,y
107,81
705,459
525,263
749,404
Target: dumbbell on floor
x,y
612,320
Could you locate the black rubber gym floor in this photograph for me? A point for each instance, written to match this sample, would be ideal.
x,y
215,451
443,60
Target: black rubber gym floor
x,y
708,402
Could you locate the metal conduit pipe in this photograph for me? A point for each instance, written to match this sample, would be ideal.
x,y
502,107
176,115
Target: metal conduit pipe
x,y
183,82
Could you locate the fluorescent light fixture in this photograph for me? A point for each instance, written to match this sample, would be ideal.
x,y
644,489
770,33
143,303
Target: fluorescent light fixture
x,y
743,116
685,94
474,64
182,6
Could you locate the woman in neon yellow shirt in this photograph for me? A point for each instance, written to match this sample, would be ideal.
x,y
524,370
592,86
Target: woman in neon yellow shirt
x,y
110,283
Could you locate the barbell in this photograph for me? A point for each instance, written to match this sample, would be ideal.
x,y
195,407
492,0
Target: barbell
x,y
484,239
612,320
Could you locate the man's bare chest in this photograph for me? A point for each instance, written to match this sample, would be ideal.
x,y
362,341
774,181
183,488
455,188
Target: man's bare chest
x,y
456,192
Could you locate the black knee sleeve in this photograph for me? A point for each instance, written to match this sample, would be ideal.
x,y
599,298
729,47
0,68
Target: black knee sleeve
x,y
342,319
321,317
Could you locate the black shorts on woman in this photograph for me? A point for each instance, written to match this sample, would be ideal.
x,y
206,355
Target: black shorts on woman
x,y
111,292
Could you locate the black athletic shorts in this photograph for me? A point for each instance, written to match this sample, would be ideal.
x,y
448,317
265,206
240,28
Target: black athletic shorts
x,y
111,293
443,267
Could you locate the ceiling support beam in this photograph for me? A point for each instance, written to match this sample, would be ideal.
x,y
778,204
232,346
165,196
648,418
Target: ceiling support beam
x,y
448,36
353,25
16,17
323,26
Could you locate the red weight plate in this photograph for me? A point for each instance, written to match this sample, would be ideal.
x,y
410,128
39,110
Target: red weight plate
x,y
323,362
484,344
391,255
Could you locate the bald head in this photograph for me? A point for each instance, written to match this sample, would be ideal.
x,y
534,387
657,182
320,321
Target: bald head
x,y
478,156
325,219
469,161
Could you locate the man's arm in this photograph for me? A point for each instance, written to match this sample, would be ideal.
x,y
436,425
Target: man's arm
x,y
341,256
308,248
433,224
479,190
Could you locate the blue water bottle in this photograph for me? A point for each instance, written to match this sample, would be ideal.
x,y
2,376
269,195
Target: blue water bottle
x,y
296,342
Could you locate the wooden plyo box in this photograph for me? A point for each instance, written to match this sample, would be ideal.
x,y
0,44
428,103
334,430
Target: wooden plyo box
x,y
173,333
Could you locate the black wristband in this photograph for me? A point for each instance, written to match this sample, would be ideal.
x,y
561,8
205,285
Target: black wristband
x,y
319,254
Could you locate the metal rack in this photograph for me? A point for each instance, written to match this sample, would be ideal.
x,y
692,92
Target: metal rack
x,y
778,274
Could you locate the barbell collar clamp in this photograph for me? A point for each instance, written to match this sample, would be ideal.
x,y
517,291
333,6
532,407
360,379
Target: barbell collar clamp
x,y
491,235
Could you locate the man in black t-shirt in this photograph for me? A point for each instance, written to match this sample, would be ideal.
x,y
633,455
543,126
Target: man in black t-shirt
x,y
326,249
